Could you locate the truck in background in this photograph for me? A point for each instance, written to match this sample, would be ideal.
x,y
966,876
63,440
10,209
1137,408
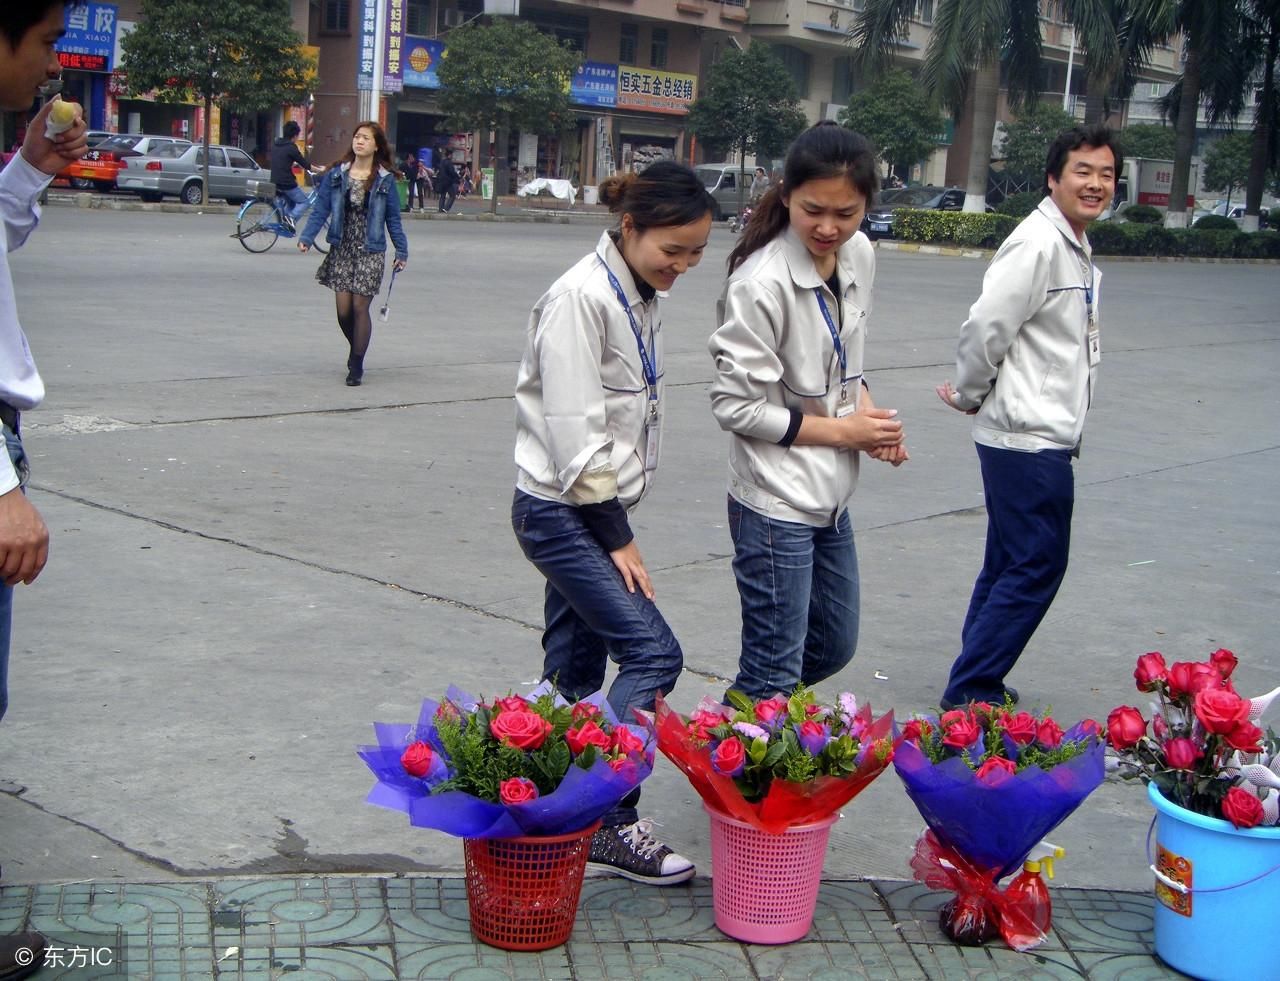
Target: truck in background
x,y
1146,181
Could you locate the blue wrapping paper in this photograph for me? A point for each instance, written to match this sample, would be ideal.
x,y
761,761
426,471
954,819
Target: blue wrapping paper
x,y
581,799
995,822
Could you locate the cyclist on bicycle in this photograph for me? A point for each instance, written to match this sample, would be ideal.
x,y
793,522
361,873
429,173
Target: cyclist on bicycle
x,y
284,154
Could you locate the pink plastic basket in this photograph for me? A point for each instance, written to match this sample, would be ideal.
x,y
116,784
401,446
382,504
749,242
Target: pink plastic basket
x,y
765,886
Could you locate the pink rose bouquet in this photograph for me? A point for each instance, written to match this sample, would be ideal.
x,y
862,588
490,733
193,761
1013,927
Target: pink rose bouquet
x,y
777,762
520,765
1203,747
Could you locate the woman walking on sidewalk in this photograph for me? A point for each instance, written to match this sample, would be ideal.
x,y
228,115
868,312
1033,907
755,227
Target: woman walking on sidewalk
x,y
588,422
359,199
789,388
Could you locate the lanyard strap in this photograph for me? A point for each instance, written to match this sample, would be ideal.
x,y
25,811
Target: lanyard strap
x,y
646,364
835,339
1087,272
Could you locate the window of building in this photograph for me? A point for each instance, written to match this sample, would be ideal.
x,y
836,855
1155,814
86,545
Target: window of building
x,y
417,17
337,16
797,63
628,43
568,28
841,80
658,43
1155,90
924,11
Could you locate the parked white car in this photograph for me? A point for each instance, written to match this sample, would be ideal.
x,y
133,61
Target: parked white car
x,y
174,171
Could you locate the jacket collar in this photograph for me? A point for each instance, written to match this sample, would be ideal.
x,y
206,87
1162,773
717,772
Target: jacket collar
x,y
378,170
611,256
1049,208
804,273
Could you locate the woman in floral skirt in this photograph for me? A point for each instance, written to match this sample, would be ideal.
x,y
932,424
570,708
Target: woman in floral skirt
x,y
359,199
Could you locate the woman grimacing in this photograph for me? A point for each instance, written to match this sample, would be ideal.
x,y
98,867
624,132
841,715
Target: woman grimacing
x,y
588,425
360,200
790,390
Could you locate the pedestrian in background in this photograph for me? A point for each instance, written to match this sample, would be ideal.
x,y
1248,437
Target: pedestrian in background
x,y
588,427
759,184
1025,368
27,60
446,182
284,155
359,199
413,177
789,389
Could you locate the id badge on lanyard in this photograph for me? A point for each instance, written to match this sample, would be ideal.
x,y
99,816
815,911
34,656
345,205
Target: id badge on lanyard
x,y
1094,333
653,411
846,406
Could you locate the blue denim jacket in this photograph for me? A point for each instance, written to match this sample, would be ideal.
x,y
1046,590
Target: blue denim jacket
x,y
384,212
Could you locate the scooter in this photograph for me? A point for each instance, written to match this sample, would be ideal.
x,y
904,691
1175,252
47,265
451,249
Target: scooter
x,y
738,222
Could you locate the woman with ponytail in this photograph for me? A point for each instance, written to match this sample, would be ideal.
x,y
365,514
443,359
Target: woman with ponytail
x,y
789,389
588,425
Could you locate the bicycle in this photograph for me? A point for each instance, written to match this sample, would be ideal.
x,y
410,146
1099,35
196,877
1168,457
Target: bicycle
x,y
260,222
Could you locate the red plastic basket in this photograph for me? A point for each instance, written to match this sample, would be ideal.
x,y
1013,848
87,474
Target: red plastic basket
x,y
523,892
765,886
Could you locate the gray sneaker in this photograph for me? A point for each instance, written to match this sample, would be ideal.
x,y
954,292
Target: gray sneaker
x,y
631,851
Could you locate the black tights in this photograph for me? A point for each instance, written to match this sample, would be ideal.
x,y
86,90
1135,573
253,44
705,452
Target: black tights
x,y
354,322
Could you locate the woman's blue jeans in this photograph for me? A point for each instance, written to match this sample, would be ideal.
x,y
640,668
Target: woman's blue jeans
x,y
799,591
592,618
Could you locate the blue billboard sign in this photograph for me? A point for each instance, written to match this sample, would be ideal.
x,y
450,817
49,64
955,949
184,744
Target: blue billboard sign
x,y
419,61
595,84
90,39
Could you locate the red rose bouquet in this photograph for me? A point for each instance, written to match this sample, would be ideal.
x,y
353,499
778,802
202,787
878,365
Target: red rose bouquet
x,y
516,766
991,782
1203,747
778,762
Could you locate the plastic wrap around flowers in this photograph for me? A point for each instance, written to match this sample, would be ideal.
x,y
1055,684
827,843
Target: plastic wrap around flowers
x,y
991,782
519,766
779,762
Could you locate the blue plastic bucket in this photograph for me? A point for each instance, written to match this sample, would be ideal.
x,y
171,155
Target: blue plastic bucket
x,y
1217,893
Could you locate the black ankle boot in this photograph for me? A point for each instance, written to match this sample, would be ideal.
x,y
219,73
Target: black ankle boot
x,y
355,370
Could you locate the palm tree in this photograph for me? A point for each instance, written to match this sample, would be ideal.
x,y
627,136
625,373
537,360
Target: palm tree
x,y
1263,26
1214,71
1117,37
971,40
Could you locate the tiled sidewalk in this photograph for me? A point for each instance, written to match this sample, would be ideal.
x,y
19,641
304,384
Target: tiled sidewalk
x,y
417,927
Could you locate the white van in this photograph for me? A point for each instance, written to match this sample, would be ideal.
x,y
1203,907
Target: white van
x,y
721,179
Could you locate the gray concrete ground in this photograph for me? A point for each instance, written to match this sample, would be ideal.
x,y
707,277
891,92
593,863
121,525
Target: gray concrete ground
x,y
252,562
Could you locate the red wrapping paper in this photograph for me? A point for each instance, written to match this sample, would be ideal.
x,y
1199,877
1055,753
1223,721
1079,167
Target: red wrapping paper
x,y
786,804
940,867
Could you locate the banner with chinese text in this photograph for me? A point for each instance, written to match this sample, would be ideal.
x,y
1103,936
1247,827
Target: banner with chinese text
x,y
655,91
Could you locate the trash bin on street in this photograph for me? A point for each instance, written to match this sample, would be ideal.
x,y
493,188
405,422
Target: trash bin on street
x,y
403,188
591,195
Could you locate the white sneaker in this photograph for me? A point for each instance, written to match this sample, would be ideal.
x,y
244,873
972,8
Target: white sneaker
x,y
632,851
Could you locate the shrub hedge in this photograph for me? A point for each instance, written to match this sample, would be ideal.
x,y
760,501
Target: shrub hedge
x,y
1214,222
985,231
1107,237
1020,205
1143,214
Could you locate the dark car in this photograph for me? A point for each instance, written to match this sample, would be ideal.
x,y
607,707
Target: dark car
x,y
878,222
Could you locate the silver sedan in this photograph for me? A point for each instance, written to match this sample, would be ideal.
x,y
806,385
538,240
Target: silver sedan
x,y
174,171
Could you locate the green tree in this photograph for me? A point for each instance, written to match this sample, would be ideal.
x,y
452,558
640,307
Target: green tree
x,y
504,75
971,41
1263,28
747,104
1214,72
1226,163
899,119
1149,140
1117,37
1027,139
242,54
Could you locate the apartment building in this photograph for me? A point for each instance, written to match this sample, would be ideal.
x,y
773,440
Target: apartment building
x,y
642,60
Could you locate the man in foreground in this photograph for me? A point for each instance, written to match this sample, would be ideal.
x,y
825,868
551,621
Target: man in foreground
x,y
27,60
1025,368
